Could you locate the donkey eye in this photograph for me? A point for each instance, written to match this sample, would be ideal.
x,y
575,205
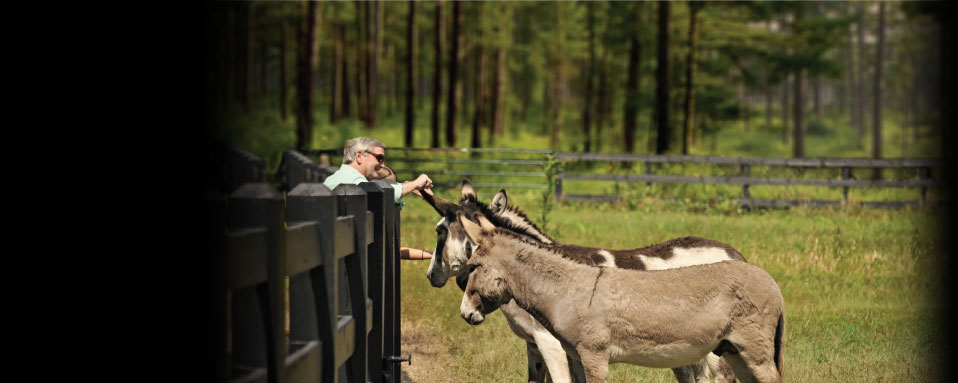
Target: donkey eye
x,y
472,268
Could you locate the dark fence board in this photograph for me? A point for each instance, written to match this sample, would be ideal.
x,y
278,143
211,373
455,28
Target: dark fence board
x,y
302,247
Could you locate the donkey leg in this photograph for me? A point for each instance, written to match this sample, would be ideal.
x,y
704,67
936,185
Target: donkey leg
x,y
535,362
683,374
753,366
720,369
578,373
595,363
693,373
553,355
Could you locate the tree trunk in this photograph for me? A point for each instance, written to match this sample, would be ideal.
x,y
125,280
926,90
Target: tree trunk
x,y
860,74
373,24
798,146
248,54
480,107
878,87
347,88
284,32
662,88
768,105
304,79
602,109
694,8
785,107
589,73
631,96
816,97
846,90
555,100
746,112
437,76
455,88
263,65
232,55
361,47
499,94
411,41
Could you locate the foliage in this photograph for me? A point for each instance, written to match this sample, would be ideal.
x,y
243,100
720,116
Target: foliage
x,y
552,169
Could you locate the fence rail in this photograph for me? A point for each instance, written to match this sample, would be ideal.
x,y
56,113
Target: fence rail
x,y
338,249
447,165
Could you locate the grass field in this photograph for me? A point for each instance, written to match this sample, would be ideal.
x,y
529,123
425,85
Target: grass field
x,y
860,288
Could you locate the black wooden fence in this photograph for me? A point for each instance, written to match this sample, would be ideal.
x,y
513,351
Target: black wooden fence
x,y
338,250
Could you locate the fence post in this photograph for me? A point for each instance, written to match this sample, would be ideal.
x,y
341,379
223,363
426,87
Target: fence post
x,y
257,205
391,302
745,173
648,172
846,175
315,202
352,201
377,198
924,175
214,223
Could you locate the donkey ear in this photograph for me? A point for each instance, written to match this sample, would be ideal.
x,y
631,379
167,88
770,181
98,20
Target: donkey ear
x,y
467,189
473,231
442,206
486,226
499,202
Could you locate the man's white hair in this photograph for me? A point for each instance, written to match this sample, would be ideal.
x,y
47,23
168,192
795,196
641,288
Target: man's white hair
x,y
359,144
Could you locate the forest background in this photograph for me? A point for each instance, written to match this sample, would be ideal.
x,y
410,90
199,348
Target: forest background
x,y
778,79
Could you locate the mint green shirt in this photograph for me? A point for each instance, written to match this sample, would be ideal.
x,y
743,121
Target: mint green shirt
x,y
349,175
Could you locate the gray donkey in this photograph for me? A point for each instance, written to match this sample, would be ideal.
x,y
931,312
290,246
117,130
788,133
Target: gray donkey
x,y
454,249
665,319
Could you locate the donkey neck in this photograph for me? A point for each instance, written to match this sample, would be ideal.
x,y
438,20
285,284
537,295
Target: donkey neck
x,y
538,279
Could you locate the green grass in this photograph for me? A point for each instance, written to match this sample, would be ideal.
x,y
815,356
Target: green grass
x,y
860,288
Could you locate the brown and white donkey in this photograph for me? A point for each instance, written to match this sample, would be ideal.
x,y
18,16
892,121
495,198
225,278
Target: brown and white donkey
x,y
454,249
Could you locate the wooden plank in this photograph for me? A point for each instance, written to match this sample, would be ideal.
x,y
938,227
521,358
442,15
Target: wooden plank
x,y
302,247
246,256
492,185
304,363
737,180
790,162
480,173
591,197
243,374
344,231
475,162
369,316
345,339
370,228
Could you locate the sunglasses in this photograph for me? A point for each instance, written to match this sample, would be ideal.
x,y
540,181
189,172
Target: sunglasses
x,y
379,157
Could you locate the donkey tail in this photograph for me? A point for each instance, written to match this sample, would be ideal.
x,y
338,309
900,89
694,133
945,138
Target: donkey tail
x,y
779,346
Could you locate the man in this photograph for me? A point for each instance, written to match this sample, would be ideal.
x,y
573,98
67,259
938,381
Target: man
x,y
363,157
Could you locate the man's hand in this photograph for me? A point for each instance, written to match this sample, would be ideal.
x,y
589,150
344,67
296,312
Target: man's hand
x,y
423,182
420,183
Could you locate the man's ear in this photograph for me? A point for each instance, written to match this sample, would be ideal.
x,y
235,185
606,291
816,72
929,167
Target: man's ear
x,y
486,226
467,188
499,202
473,231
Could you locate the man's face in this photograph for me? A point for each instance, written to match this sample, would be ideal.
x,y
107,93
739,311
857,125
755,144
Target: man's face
x,y
369,161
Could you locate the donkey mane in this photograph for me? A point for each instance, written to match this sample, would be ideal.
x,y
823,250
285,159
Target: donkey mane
x,y
472,202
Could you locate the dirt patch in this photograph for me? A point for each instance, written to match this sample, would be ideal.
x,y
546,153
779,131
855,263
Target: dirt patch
x,y
430,361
